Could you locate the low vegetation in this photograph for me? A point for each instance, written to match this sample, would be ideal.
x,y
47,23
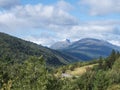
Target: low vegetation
x,y
103,74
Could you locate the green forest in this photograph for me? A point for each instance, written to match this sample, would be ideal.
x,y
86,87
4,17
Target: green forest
x,y
33,74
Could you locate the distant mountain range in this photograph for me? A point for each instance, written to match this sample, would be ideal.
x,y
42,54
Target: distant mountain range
x,y
65,52
86,49
20,50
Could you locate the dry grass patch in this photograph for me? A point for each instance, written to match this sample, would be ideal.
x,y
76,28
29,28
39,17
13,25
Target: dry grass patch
x,y
80,70
114,87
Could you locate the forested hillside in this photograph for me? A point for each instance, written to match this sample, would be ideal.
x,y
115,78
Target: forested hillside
x,y
19,50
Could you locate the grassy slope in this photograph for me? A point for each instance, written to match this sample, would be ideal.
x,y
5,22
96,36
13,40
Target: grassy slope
x,y
77,71
80,70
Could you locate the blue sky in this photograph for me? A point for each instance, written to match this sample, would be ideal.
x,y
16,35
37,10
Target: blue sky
x,y
48,21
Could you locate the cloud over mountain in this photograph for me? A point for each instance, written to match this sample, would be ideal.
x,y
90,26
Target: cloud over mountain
x,y
48,23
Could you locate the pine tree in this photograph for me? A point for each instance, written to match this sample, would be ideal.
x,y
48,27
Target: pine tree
x,y
111,59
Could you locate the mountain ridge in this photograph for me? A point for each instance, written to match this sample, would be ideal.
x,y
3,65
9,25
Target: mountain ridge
x,y
89,48
61,44
19,50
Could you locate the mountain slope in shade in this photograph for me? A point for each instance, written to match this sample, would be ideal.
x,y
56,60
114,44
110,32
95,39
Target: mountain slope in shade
x,y
89,48
61,45
19,50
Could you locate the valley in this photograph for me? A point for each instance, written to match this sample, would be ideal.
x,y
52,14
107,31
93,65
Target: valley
x,y
59,44
28,66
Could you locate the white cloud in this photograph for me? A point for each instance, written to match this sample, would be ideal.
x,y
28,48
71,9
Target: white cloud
x,y
44,41
24,18
44,38
97,30
8,3
64,5
36,16
42,19
115,42
35,19
101,7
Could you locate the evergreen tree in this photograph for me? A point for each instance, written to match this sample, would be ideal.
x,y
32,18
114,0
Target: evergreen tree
x,y
111,59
